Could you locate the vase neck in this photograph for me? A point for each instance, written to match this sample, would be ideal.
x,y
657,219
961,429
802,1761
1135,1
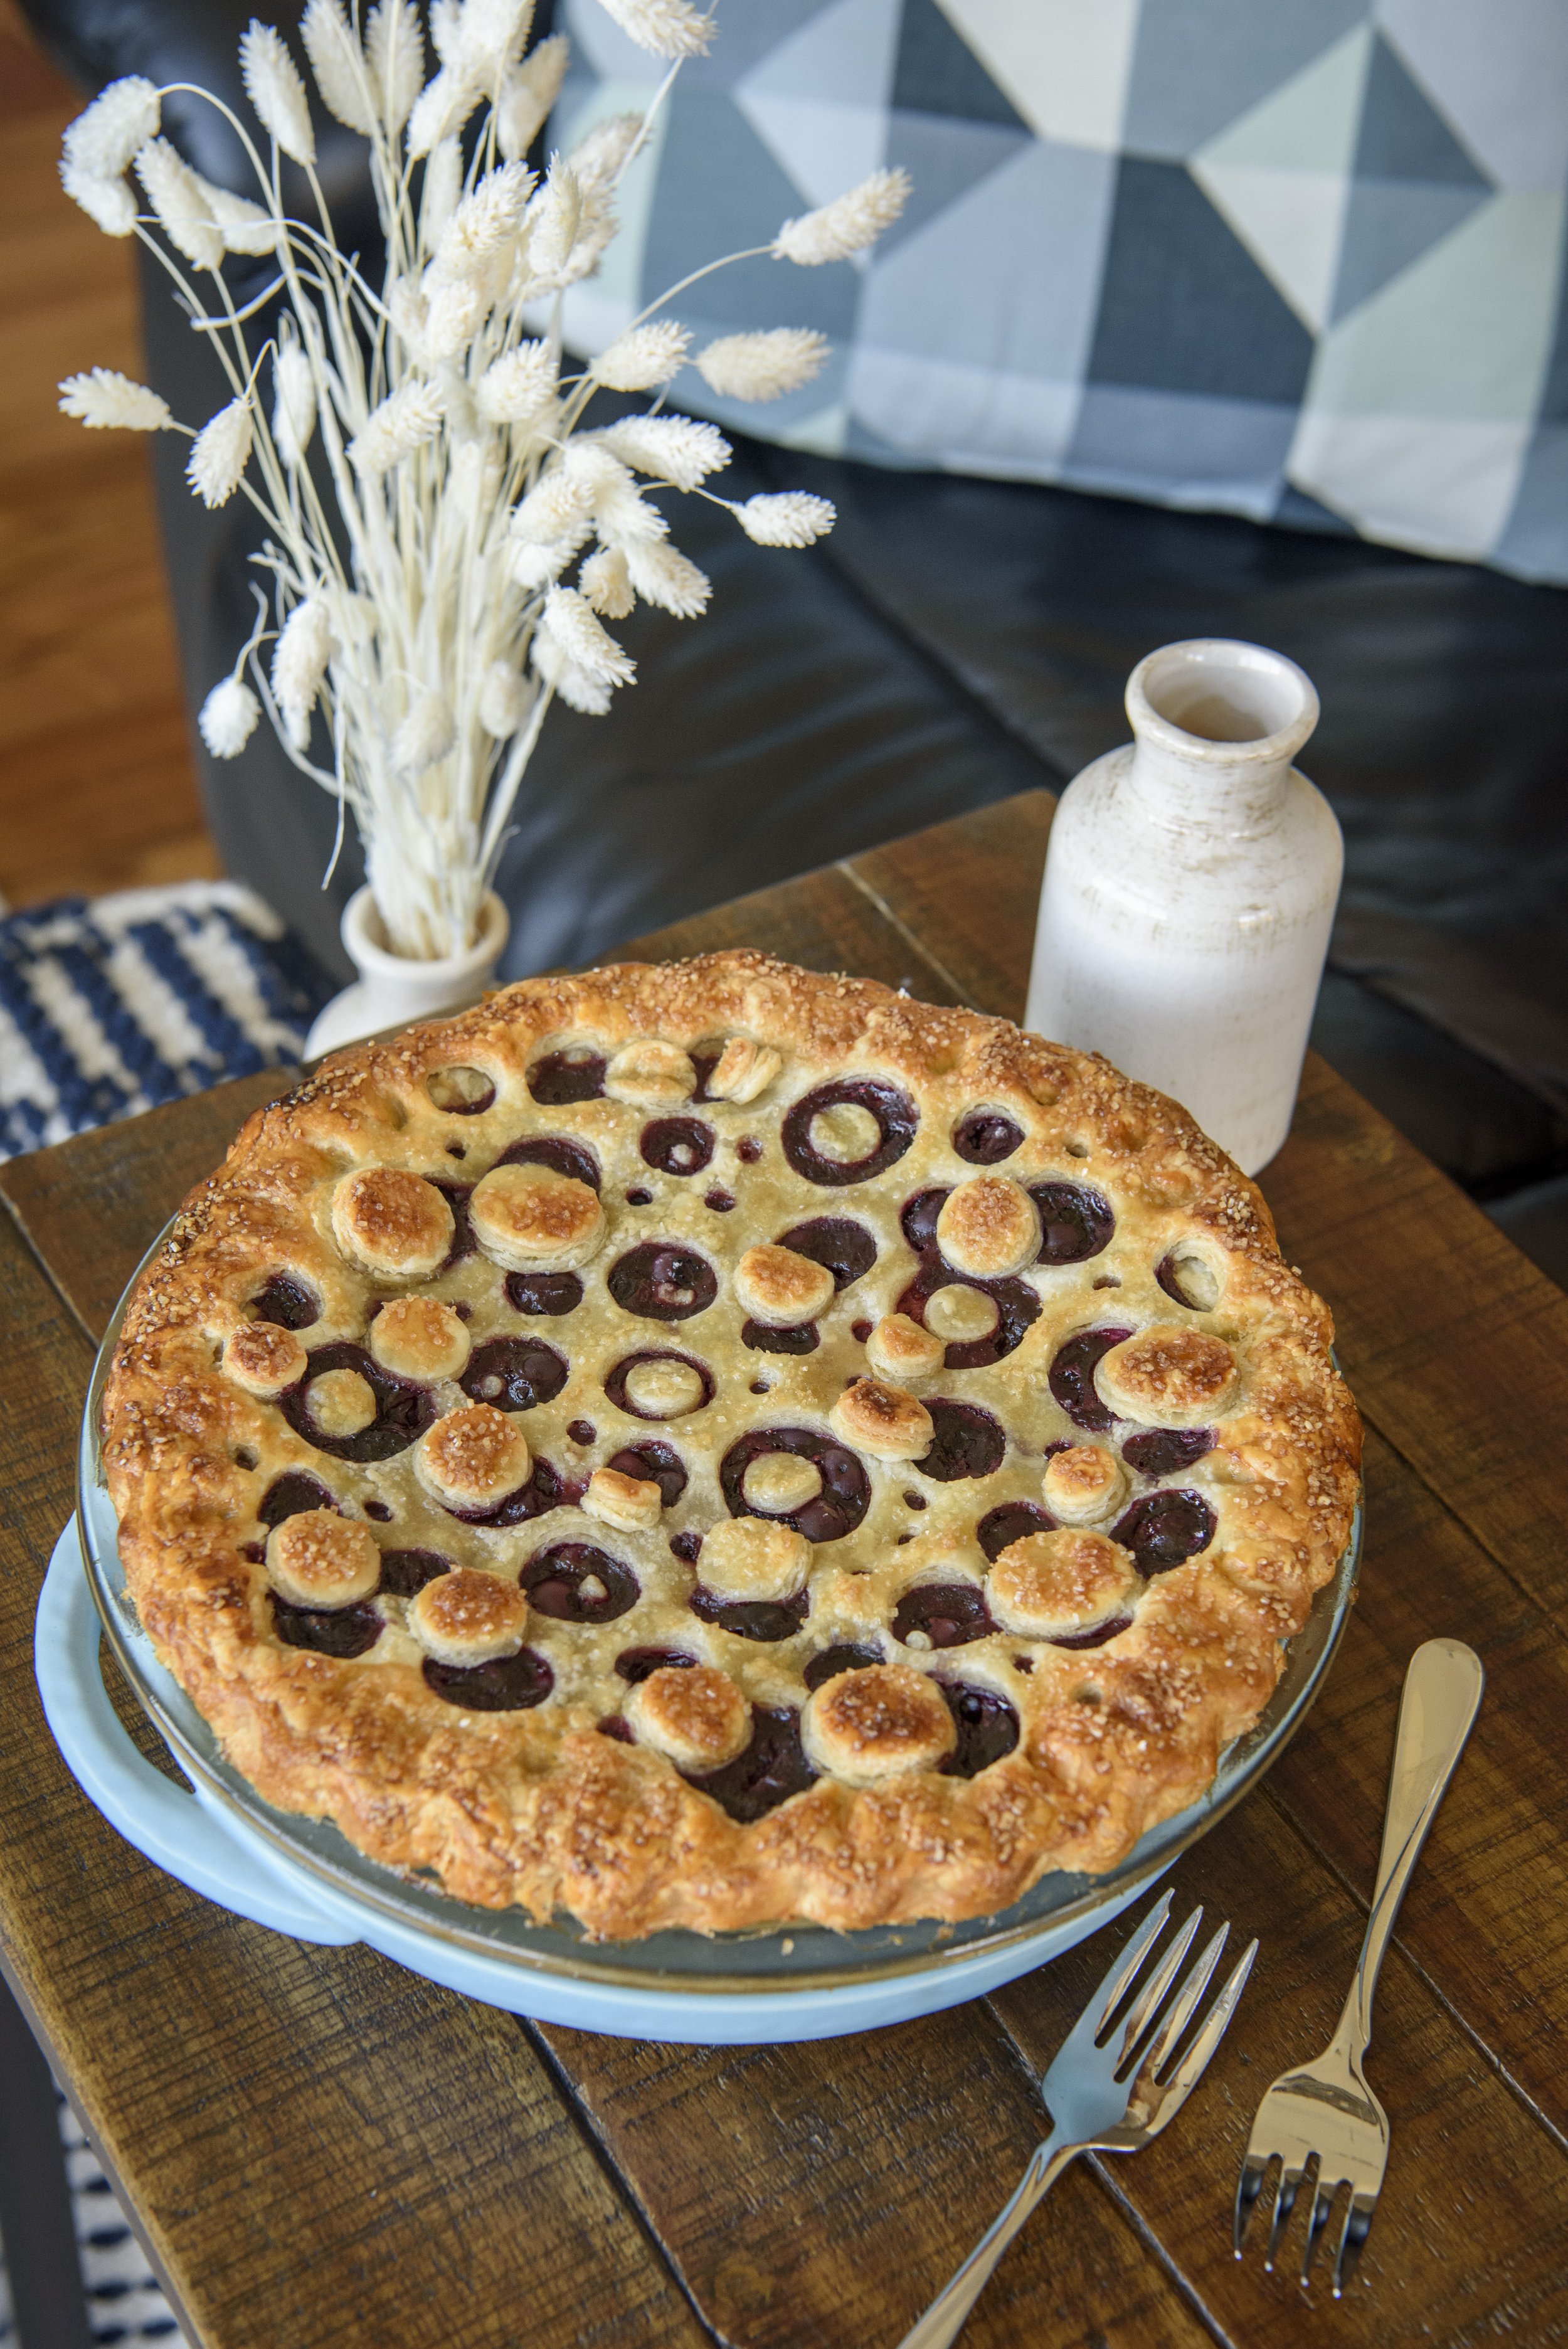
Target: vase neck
x,y
1216,725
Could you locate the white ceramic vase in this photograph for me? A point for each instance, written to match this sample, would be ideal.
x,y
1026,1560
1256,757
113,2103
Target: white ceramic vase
x,y
393,990
1190,889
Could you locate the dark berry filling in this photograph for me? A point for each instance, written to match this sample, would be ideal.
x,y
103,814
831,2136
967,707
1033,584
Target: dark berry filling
x,y
615,1384
1017,1309
514,1373
751,1619
763,1338
832,1661
328,1631
860,1331
828,1515
554,1582
380,1511
506,1684
985,1137
547,1294
1096,1636
460,1093
287,1303
291,1494
677,1145
581,1431
840,1246
1074,1223
772,1768
1167,1451
749,1150
406,1571
705,1064
1011,1521
950,1614
403,1409
720,1200
915,1501
894,1112
572,1159
638,1197
635,1664
562,1077
686,1547
987,1729
967,1442
1165,1529
660,1281
613,1725
545,1489
654,1463
1072,1377
457,1196
918,1219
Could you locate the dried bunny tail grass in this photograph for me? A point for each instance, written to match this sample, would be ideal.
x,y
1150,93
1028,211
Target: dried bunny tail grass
x,y
273,85
673,448
642,357
504,701
180,200
763,365
670,28
553,219
440,110
109,204
454,312
527,94
663,576
442,190
425,736
339,66
228,718
570,623
299,664
103,143
483,222
599,159
786,518
244,226
293,398
221,451
489,35
555,507
105,400
606,583
405,421
518,387
851,221
395,60
619,511
576,688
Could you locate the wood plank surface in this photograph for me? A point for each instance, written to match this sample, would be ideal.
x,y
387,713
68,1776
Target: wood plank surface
x,y
818,2194
320,2147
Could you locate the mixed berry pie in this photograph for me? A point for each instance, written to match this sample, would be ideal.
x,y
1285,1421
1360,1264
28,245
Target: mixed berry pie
x,y
714,1445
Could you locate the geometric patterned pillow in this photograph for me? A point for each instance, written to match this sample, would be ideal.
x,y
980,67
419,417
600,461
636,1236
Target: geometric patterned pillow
x,y
1302,260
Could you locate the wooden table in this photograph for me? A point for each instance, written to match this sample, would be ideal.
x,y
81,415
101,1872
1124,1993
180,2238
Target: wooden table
x,y
323,2149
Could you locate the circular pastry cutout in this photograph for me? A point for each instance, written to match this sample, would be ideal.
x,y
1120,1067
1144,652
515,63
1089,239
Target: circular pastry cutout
x,y
650,1073
677,1145
656,1385
941,1615
899,1349
573,1582
317,1559
1058,1582
575,1075
1189,1279
782,1290
530,1219
779,1483
1168,1377
887,1422
340,1403
1072,1379
1015,1311
419,1338
1074,1222
984,1137
834,1512
391,1223
965,1441
828,1149
514,1373
264,1357
468,1618
629,1504
558,1155
693,1715
872,1726
1082,1483
1165,1529
961,1315
742,1072
461,1091
988,1227
401,1414
750,1557
662,1281
845,1248
473,1458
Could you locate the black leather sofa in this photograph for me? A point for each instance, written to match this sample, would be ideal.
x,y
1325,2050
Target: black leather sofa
x,y
955,640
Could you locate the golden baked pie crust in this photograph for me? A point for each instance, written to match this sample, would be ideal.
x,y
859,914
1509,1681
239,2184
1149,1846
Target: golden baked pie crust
x,y
540,1807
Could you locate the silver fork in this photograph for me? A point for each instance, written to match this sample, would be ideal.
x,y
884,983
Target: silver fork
x,y
1327,2112
1109,2096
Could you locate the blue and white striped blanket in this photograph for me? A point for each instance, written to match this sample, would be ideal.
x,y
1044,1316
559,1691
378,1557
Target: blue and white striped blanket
x,y
111,1005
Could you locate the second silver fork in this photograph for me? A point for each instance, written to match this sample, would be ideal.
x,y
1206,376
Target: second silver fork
x,y
1112,2086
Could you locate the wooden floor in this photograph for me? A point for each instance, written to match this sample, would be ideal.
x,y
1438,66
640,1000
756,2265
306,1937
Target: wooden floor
x,y
97,787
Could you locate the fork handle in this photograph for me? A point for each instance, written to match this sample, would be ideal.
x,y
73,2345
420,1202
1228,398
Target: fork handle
x,y
1442,1694
944,2319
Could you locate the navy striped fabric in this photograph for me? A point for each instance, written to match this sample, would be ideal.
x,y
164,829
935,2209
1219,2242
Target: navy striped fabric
x,y
110,1006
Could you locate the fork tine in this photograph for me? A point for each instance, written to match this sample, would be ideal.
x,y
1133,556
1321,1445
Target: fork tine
x,y
1183,2011
1322,2207
1284,2203
1353,2233
1249,2186
1124,1967
1146,2006
1192,2067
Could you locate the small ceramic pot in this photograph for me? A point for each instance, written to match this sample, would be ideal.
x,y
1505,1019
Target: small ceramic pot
x,y
393,990
1190,889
